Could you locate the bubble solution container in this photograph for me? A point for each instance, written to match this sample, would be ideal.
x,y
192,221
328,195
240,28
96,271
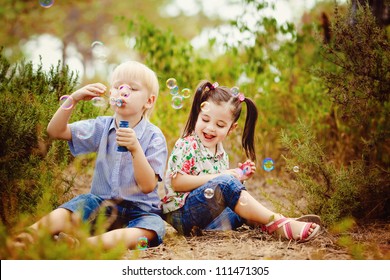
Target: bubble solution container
x,y
122,124
245,169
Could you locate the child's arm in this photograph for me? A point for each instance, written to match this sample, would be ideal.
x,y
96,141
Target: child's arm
x,y
186,183
58,126
143,172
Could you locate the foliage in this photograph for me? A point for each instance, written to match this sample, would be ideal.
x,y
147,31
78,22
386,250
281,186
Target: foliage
x,y
348,175
334,124
330,191
77,24
30,163
58,250
270,71
358,83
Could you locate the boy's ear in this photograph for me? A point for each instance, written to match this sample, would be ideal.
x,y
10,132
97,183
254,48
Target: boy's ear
x,y
150,101
233,127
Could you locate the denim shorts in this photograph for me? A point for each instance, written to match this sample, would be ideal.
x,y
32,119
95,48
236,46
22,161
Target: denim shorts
x,y
210,213
119,214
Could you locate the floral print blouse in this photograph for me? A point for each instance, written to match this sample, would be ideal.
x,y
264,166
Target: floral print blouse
x,y
189,156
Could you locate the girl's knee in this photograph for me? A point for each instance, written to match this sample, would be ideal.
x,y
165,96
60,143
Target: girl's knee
x,y
230,189
224,178
229,182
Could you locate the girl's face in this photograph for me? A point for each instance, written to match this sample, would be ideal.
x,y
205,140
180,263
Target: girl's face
x,y
214,125
130,99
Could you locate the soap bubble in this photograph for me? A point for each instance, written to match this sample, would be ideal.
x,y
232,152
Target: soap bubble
x,y
112,101
66,102
174,90
99,50
268,164
142,243
85,132
246,169
186,92
209,193
171,83
119,102
46,3
243,200
157,141
98,101
177,102
205,106
235,91
124,90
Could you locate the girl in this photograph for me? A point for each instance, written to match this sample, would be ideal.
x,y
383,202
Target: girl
x,y
201,191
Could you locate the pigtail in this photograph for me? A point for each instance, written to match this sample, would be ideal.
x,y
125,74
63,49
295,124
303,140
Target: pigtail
x,y
218,94
248,136
199,97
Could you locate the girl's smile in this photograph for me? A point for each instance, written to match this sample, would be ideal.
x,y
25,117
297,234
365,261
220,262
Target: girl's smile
x,y
214,125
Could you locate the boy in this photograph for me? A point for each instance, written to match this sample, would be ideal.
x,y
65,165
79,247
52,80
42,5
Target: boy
x,y
125,180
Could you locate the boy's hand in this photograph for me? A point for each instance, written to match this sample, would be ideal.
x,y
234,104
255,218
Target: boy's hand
x,y
89,91
126,137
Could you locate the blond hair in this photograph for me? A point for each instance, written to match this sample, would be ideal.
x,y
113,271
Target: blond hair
x,y
133,70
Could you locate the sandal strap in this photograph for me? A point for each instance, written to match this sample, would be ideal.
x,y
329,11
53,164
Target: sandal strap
x,y
305,231
274,225
303,236
288,231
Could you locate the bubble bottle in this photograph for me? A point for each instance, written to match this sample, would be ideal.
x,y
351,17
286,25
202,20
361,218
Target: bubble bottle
x,y
245,169
122,124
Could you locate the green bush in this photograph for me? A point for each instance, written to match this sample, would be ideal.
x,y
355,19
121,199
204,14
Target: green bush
x,y
357,79
334,192
347,173
30,164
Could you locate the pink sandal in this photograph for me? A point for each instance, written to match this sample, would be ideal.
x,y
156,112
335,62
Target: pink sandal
x,y
304,235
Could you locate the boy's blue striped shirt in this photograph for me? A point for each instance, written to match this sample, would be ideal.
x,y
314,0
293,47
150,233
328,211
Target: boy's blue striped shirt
x,y
114,174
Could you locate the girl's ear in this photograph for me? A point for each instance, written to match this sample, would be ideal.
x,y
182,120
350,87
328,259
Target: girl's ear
x,y
233,127
150,101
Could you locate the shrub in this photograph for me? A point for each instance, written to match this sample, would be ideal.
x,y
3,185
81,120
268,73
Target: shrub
x,y
30,164
358,84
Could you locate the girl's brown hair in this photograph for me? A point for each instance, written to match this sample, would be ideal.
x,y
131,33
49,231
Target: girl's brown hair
x,y
218,94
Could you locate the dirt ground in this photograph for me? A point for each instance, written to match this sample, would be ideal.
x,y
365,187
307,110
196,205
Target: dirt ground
x,y
371,241
251,244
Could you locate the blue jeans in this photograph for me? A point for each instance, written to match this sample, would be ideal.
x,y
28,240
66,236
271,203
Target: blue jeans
x,y
120,214
213,213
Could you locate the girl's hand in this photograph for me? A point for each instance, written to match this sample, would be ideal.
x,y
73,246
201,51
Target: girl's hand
x,y
126,137
252,167
89,91
232,172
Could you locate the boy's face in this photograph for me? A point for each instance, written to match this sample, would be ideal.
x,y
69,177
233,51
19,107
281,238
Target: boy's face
x,y
129,99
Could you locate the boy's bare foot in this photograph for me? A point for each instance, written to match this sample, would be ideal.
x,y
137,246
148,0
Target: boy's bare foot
x,y
23,239
73,242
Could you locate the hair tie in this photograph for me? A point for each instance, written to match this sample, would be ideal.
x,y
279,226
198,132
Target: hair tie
x,y
241,97
214,85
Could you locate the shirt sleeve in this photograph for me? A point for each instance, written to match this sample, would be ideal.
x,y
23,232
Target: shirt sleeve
x,y
182,159
86,136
